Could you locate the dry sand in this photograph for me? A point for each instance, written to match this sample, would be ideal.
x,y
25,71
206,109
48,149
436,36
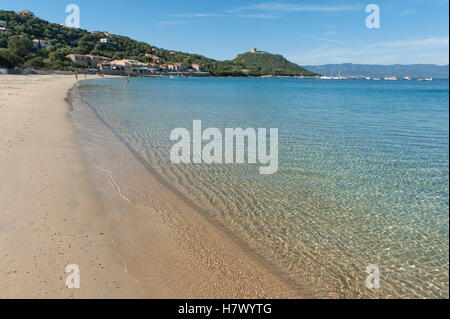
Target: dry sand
x,y
49,217
52,214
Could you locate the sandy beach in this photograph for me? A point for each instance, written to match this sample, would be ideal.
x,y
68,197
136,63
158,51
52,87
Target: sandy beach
x,y
53,213
49,217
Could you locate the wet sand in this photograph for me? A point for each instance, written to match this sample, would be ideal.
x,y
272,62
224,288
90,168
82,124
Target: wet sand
x,y
67,197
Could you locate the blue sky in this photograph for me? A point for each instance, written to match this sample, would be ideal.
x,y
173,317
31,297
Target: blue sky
x,y
306,32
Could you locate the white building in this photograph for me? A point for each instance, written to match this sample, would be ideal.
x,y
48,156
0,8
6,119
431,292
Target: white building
x,y
91,61
2,27
41,44
125,67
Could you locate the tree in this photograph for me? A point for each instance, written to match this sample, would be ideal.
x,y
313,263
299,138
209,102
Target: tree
x,y
9,59
118,56
57,60
20,44
37,62
58,55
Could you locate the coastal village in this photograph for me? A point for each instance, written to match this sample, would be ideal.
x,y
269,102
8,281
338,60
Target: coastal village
x,y
128,67
123,67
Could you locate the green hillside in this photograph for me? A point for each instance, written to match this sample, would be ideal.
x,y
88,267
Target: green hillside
x,y
16,50
260,63
15,45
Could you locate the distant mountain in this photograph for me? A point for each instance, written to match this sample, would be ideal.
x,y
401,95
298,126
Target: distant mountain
x,y
373,70
261,63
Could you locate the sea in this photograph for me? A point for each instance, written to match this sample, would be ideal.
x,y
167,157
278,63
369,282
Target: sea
x,y
359,205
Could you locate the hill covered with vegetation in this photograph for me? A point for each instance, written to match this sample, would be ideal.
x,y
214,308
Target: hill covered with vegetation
x,y
260,63
16,49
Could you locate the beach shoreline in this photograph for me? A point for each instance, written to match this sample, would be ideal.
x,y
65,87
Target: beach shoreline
x,y
49,216
57,211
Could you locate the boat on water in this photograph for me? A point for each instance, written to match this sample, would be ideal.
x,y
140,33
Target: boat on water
x,y
390,78
334,77
376,79
368,78
426,79
406,78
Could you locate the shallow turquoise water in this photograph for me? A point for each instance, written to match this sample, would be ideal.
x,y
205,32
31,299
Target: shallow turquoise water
x,y
362,179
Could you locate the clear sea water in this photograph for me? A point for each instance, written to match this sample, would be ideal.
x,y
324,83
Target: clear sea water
x,y
363,172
